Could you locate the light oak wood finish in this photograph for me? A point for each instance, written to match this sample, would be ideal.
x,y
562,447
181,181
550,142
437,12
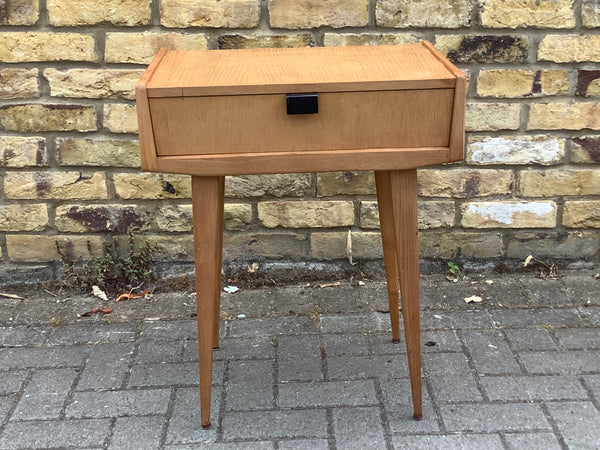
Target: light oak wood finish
x,y
390,109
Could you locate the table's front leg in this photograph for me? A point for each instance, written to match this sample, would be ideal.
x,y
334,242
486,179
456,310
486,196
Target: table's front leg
x,y
403,189
207,202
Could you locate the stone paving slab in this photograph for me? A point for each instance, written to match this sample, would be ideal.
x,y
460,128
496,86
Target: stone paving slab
x,y
520,372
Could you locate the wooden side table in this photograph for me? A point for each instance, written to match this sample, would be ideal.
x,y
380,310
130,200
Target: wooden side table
x,y
390,109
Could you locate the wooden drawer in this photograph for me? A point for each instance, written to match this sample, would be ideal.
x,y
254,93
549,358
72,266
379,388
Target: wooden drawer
x,y
224,112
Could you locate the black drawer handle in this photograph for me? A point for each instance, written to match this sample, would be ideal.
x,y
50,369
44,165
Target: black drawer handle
x,y
302,103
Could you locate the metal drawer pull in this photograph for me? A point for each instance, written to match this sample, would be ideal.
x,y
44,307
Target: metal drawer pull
x,y
302,103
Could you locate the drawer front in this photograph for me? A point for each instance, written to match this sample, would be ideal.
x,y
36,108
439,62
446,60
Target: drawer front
x,y
260,123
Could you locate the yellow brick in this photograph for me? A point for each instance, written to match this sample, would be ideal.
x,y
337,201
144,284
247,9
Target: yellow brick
x,y
35,117
28,248
90,12
515,83
345,183
297,14
277,185
354,39
19,12
515,150
230,41
332,245
130,186
43,46
210,13
431,214
19,83
140,48
20,151
424,13
120,118
275,245
435,244
508,214
582,214
527,13
26,217
492,116
484,48
553,245
554,82
570,48
306,214
590,13
55,185
101,218
564,116
586,149
98,152
554,182
464,183
93,83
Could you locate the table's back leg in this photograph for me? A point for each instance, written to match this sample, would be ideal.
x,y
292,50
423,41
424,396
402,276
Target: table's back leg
x,y
388,238
220,218
403,188
207,202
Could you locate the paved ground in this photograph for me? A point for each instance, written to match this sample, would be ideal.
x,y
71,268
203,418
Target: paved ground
x,y
308,368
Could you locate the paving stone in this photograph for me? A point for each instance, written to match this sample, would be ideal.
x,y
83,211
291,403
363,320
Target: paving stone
x,y
519,441
303,444
546,292
42,357
353,367
462,320
141,432
451,378
522,318
530,339
106,366
184,425
161,352
19,336
493,417
444,341
572,362
169,374
355,323
358,428
12,380
6,403
578,338
169,330
529,388
578,423
327,394
397,399
591,314
55,434
241,348
275,424
450,441
271,326
490,352
256,445
45,395
299,358
345,344
90,334
593,383
95,405
250,385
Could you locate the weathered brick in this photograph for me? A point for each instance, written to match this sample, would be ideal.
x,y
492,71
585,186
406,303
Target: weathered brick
x,y
140,48
464,244
569,48
120,118
99,218
463,183
586,149
543,149
332,245
44,46
588,83
131,186
18,151
89,12
571,245
515,83
432,214
19,83
297,14
581,214
279,185
265,245
306,214
492,116
552,182
345,183
178,218
19,12
484,48
55,185
590,13
93,83
93,152
527,13
171,248
25,217
508,214
35,117
211,14
237,215
38,248
565,116
428,13
230,41
354,39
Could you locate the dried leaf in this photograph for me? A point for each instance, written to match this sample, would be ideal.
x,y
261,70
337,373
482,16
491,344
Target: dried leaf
x,y
99,293
4,294
130,296
527,260
473,299
349,247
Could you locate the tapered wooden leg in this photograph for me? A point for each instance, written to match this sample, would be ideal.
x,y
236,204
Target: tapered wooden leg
x,y
219,262
388,237
403,186
207,200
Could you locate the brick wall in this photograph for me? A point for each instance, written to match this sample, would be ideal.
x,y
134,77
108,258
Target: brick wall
x,y
69,156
